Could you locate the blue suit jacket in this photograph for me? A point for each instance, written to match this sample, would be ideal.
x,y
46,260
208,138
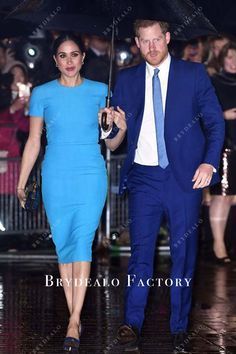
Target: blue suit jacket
x,y
194,124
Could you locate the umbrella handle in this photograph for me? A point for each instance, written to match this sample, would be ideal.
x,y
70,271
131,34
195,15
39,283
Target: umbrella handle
x,y
104,124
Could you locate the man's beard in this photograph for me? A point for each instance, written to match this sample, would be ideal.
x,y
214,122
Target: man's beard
x,y
155,57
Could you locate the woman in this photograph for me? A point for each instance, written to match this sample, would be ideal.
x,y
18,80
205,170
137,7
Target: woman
x,y
74,181
20,75
224,192
19,106
14,107
13,125
216,44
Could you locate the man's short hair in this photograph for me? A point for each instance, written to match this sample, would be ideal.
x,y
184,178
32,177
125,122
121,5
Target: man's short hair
x,y
148,23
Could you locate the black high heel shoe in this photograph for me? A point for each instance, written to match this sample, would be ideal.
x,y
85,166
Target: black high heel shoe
x,y
72,344
224,261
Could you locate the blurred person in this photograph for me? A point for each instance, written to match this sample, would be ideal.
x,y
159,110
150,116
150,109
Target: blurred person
x,y
9,45
216,45
19,72
12,122
195,50
74,177
86,41
3,57
97,61
19,106
222,194
13,115
137,58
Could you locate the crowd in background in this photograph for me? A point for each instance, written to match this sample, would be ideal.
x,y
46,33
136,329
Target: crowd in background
x,y
14,69
218,54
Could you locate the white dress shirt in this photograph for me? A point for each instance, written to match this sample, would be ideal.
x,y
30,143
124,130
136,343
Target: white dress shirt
x,y
146,152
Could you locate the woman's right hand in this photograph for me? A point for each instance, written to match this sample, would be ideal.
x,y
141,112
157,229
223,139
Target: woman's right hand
x,y
21,196
230,114
18,103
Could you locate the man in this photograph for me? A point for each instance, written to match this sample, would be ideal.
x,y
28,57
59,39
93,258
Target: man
x,y
175,134
96,66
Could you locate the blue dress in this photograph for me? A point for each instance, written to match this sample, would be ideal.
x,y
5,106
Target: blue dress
x,y
74,178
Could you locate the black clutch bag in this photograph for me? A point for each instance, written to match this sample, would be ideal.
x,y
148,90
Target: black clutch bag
x,y
32,192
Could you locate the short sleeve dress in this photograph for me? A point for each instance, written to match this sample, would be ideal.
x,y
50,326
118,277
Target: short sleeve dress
x,y
225,86
74,177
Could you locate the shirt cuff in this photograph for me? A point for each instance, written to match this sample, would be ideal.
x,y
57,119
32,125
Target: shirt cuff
x,y
214,169
104,135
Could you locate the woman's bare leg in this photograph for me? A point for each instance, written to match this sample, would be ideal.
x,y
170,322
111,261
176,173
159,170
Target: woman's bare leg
x,y
80,274
219,212
66,276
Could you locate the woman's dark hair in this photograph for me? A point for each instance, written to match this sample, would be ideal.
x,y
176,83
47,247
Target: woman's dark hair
x,y
67,37
3,46
224,52
23,68
6,81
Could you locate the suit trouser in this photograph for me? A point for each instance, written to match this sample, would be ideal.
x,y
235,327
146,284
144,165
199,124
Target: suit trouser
x,y
153,192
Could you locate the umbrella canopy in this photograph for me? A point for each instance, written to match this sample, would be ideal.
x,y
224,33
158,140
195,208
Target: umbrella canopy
x,y
220,13
95,17
115,18
12,24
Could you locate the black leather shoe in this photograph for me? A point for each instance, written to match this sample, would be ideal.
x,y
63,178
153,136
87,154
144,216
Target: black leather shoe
x,y
181,343
128,338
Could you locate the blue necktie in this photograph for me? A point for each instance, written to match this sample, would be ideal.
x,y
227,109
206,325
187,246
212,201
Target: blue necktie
x,y
159,120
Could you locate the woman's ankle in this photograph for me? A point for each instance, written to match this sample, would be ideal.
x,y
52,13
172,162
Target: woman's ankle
x,y
220,250
74,321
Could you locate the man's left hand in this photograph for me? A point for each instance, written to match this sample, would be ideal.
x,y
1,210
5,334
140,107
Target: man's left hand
x,y
203,176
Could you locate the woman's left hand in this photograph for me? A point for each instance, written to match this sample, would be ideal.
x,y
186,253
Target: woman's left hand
x,y
119,119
